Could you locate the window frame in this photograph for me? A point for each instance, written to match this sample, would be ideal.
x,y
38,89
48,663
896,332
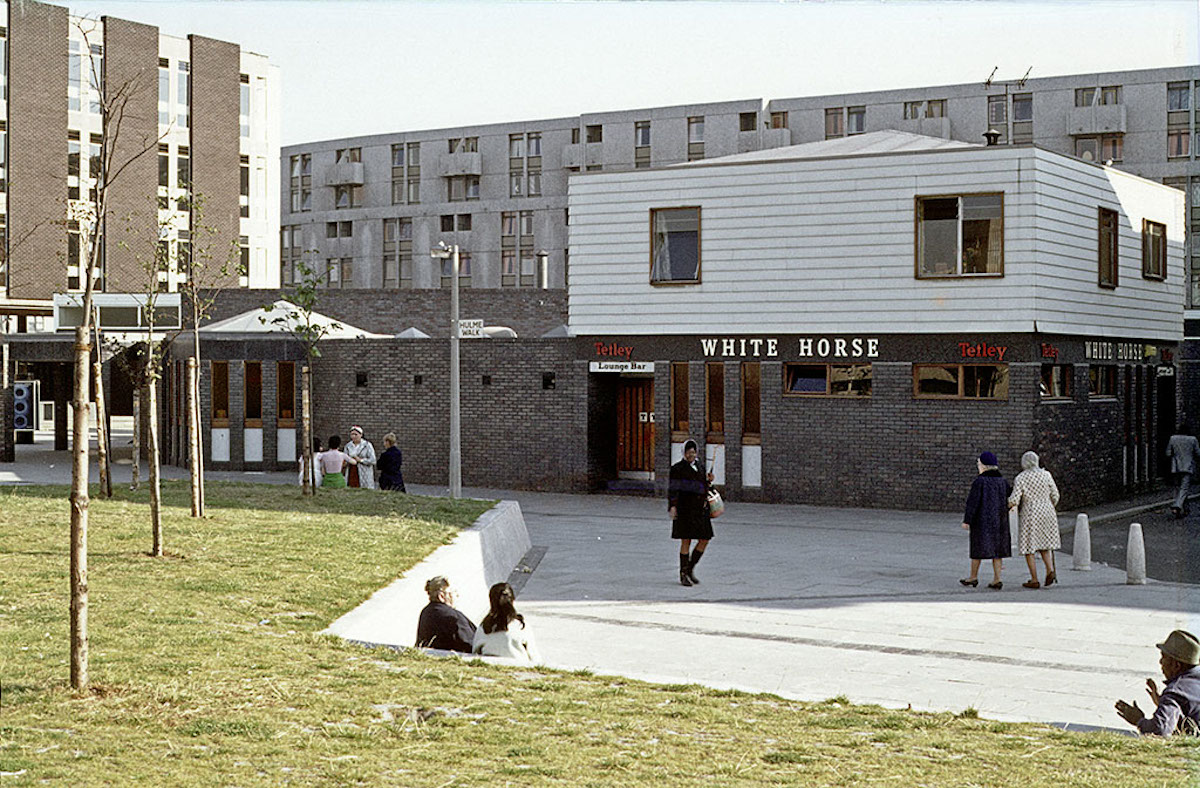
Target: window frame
x,y
1095,390
1066,374
751,389
248,421
962,382
714,370
282,421
680,388
958,255
828,392
699,248
1148,251
218,383
1115,250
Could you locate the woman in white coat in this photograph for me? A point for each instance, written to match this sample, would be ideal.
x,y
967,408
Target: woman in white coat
x,y
1035,495
498,634
360,470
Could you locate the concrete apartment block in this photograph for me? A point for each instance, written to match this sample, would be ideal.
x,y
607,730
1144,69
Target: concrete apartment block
x,y
490,172
1044,111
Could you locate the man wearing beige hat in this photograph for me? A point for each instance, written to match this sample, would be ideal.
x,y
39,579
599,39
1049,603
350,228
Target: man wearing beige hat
x,y
1178,706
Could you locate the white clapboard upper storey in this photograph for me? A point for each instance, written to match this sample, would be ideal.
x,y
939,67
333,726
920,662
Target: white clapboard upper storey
x,y
888,231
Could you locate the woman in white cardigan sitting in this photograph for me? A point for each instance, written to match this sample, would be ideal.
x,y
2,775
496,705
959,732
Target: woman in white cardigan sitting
x,y
503,632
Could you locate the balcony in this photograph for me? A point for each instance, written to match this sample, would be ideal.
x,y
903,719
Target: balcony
x,y
776,138
345,173
572,156
929,127
1102,119
460,163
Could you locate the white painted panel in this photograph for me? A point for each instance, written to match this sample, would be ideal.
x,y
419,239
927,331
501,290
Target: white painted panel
x,y
714,456
752,466
252,444
676,452
218,438
285,450
828,246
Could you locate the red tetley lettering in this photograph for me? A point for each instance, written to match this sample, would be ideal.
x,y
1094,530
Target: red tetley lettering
x,y
982,350
613,349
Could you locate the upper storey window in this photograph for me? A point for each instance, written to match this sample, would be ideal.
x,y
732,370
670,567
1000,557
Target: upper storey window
x,y
674,246
960,235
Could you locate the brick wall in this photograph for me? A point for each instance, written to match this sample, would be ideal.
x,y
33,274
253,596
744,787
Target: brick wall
x,y
131,77
530,313
514,433
215,139
37,138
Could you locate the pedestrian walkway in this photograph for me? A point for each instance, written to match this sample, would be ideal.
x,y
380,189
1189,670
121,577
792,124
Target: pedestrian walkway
x,y
811,602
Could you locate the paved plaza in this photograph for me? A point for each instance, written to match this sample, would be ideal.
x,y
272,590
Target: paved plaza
x,y
810,602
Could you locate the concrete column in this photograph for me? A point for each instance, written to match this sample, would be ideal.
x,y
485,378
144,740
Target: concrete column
x,y
62,396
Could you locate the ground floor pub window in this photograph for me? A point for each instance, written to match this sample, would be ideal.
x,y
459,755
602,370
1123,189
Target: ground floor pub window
x,y
714,399
827,380
1056,381
961,381
751,402
679,401
1102,380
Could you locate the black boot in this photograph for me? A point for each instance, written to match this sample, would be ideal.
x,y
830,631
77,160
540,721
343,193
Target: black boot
x,y
684,568
691,571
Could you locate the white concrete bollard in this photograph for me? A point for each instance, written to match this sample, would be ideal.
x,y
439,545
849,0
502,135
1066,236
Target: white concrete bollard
x,y
1135,556
1082,553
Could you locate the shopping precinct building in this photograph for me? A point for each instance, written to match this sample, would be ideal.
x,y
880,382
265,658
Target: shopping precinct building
x,y
843,322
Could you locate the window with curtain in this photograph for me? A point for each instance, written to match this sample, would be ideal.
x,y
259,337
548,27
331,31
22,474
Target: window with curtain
x,y
675,246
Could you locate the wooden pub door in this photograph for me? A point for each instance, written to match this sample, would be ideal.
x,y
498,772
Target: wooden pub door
x,y
635,428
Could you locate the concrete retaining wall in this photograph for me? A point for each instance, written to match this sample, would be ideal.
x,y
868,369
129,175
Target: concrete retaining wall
x,y
480,556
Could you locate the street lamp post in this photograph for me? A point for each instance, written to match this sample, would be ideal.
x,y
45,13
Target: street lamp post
x,y
444,252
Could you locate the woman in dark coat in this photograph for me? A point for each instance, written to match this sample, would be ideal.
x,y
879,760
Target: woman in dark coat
x,y
390,477
687,503
986,518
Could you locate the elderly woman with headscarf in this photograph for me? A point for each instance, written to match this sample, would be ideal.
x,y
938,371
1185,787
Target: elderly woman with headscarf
x,y
687,505
1035,495
360,463
986,517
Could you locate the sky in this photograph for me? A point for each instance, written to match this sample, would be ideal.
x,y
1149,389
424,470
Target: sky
x,y
354,68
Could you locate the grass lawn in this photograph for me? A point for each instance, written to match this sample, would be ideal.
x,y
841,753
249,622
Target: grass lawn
x,y
207,669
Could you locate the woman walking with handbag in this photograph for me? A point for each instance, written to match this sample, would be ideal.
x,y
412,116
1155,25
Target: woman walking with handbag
x,y
687,504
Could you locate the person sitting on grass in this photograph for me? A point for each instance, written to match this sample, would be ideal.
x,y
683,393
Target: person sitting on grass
x,y
496,636
441,625
1178,705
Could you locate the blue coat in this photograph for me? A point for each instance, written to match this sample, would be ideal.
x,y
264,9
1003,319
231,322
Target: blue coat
x,y
389,463
987,514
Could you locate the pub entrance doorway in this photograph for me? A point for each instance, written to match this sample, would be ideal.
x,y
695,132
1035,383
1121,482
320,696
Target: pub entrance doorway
x,y
635,427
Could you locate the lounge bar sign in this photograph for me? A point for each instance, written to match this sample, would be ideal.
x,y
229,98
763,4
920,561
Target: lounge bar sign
x,y
621,366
